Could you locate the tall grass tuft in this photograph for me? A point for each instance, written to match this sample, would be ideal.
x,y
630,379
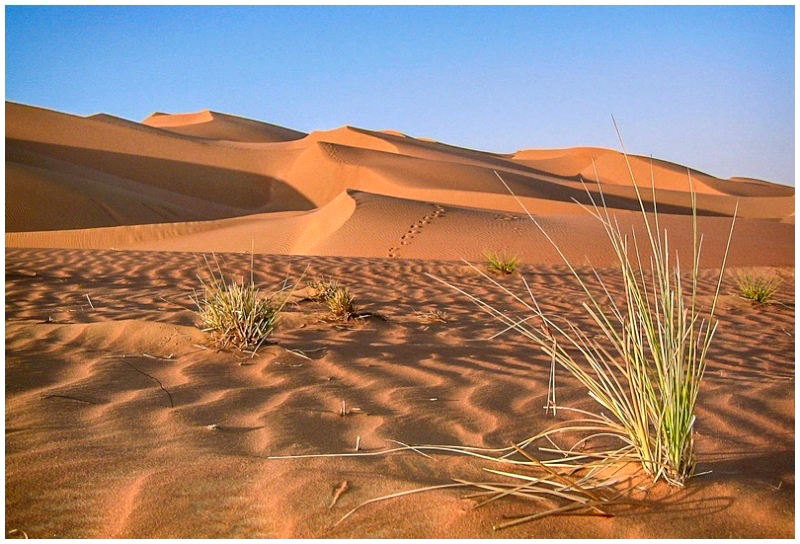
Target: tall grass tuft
x,y
501,263
757,288
645,367
236,313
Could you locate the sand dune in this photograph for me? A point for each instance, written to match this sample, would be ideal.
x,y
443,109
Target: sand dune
x,y
123,419
209,166
218,126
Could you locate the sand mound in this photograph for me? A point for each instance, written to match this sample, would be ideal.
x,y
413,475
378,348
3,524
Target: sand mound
x,y
114,174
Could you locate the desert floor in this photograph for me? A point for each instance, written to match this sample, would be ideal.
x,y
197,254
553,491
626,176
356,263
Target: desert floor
x,y
123,419
96,448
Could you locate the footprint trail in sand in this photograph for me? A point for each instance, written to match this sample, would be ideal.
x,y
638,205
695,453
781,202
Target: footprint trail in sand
x,y
416,228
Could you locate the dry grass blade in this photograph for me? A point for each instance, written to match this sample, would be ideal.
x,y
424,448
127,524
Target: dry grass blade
x,y
498,492
570,484
396,495
560,510
340,489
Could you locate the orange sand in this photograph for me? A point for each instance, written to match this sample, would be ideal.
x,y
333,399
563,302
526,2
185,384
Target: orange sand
x,y
102,215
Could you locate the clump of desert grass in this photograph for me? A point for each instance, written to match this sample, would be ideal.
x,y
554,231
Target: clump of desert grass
x,y
432,316
342,304
323,289
338,298
760,289
235,311
642,361
645,356
501,262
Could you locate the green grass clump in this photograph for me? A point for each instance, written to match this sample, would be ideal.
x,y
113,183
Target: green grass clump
x,y
501,263
645,367
335,296
322,290
236,313
341,304
643,359
757,288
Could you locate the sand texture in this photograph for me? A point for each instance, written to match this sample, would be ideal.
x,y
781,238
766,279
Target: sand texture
x,y
124,420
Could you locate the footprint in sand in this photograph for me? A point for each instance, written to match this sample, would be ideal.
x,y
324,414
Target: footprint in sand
x,y
416,229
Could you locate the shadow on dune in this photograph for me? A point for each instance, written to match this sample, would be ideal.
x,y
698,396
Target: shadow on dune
x,y
666,199
181,191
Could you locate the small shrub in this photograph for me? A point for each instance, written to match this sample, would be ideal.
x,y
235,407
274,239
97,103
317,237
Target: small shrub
x,y
757,288
500,263
322,290
433,316
235,313
341,304
335,296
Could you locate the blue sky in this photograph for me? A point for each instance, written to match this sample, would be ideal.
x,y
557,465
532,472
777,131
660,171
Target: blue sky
x,y
708,87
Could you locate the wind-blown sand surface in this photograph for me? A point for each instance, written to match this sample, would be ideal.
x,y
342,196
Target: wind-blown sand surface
x,y
123,421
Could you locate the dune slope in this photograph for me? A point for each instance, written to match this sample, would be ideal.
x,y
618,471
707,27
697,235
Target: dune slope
x,y
160,183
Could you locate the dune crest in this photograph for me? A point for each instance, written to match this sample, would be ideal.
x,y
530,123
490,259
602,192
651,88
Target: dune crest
x,y
219,126
176,178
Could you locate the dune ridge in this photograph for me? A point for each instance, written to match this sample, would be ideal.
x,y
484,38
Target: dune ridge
x,y
118,176
219,126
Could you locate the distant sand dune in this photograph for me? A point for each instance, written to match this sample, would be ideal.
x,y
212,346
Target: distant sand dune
x,y
179,181
218,126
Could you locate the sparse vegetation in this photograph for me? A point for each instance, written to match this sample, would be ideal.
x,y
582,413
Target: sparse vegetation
x,y
645,367
757,288
335,296
433,316
322,290
341,304
501,263
236,313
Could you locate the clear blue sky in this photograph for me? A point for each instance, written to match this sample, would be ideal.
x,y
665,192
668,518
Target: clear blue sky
x,y
708,87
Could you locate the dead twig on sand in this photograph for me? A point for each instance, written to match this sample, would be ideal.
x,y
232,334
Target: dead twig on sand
x,y
340,489
169,357
171,404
